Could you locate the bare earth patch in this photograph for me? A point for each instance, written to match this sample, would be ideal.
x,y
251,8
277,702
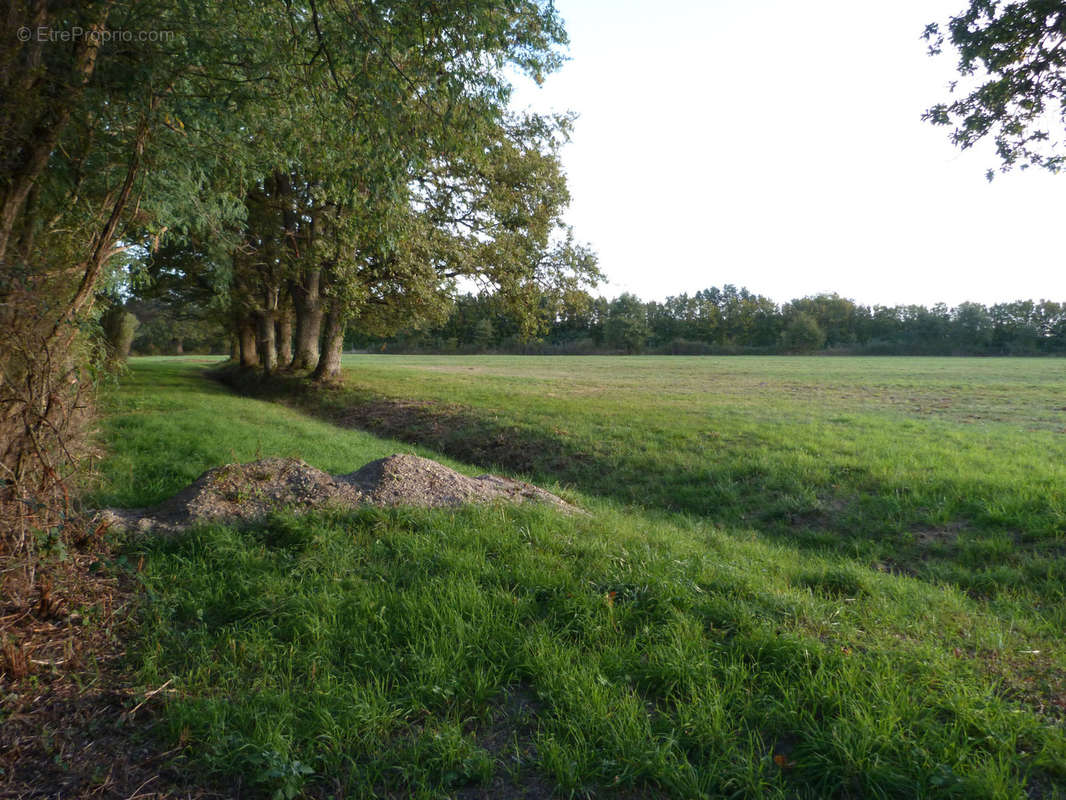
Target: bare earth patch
x,y
244,492
508,733
944,534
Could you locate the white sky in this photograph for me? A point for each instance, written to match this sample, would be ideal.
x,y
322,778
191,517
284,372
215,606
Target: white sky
x,y
779,145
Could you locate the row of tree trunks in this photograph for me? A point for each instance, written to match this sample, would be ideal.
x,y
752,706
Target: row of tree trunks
x,y
281,282
265,339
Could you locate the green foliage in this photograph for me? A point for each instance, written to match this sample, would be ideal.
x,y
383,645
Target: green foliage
x,y
179,292
731,320
119,327
385,128
386,166
802,334
484,334
166,332
1013,80
626,327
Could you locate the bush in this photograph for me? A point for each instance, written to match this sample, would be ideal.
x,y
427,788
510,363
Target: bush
x,y
119,327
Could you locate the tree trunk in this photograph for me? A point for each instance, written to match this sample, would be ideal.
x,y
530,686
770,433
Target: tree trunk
x,y
329,365
179,348
246,335
101,250
284,338
308,335
235,349
268,353
307,304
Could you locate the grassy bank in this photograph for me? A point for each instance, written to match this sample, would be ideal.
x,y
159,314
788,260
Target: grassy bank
x,y
685,648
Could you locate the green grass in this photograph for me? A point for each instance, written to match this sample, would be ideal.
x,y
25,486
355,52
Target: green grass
x,y
950,469
659,647
165,424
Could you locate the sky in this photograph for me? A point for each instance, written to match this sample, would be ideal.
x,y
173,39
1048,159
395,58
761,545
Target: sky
x,y
779,146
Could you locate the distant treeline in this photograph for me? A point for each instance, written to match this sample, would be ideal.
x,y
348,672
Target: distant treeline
x,y
732,320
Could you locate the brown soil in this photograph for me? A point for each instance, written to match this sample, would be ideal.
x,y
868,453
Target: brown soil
x,y
455,430
945,534
244,492
508,733
71,722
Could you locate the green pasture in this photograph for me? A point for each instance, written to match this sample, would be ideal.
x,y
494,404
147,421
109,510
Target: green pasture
x,y
799,578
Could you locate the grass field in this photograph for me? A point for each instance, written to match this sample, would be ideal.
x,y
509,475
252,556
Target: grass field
x,y
800,578
951,469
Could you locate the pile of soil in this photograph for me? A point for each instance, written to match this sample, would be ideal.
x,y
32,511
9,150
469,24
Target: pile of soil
x,y
244,492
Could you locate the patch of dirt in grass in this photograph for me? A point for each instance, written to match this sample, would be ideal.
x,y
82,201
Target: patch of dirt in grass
x,y
64,741
939,535
459,433
1031,678
507,733
245,492
825,515
445,368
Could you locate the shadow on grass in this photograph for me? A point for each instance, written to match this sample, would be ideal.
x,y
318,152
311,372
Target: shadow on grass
x,y
851,514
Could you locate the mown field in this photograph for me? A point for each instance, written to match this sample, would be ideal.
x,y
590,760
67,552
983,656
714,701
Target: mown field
x,y
800,578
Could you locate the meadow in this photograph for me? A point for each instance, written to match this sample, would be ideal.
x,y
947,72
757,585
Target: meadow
x,y
800,577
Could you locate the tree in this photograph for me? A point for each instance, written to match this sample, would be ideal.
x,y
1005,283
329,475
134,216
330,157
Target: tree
x,y
627,324
1012,62
972,328
484,334
82,118
348,160
835,315
396,172
802,334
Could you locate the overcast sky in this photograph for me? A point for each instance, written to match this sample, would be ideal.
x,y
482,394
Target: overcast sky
x,y
779,146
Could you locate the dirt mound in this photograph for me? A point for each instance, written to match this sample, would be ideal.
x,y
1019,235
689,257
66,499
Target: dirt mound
x,y
244,492
405,480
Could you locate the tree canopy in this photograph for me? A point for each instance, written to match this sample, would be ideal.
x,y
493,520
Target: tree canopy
x,y
1012,86
285,170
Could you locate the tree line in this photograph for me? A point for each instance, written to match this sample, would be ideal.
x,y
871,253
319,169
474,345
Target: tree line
x,y
732,320
712,321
